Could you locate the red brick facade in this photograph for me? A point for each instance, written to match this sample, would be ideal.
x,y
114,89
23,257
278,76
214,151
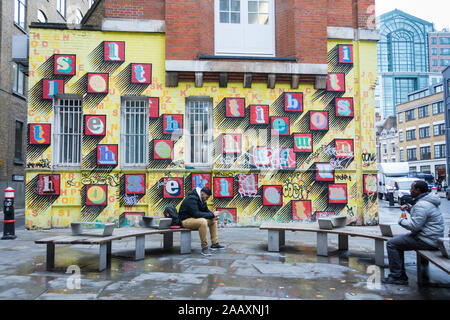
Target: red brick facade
x,y
301,25
135,9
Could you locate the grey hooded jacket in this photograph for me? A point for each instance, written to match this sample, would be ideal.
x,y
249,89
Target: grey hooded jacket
x,y
426,221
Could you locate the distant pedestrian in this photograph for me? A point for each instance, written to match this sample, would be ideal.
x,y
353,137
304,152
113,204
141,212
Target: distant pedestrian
x,y
426,225
444,184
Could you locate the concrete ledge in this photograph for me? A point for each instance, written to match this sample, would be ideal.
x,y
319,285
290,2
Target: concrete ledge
x,y
130,25
340,33
347,33
368,35
245,66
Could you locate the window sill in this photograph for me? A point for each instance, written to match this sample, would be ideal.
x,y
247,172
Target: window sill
x,y
64,18
20,28
19,162
203,56
198,167
134,168
19,95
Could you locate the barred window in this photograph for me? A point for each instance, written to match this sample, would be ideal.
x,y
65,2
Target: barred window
x,y
68,123
199,132
134,131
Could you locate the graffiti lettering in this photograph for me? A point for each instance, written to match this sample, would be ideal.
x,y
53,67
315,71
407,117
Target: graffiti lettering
x,y
110,179
295,191
343,177
350,212
248,186
340,163
368,159
43,163
131,200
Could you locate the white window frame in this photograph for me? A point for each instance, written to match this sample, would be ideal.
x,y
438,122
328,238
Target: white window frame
x,y
199,133
18,79
61,7
43,18
61,134
18,141
238,33
140,125
20,13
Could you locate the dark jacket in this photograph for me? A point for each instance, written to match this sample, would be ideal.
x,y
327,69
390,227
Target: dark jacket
x,y
193,207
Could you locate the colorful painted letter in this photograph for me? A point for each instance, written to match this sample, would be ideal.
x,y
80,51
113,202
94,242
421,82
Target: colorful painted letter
x,y
40,133
173,188
95,125
49,184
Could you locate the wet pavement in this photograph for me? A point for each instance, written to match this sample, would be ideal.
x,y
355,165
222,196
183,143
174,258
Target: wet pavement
x,y
244,270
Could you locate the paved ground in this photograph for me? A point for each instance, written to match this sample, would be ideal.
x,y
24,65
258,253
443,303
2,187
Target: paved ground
x,y
244,270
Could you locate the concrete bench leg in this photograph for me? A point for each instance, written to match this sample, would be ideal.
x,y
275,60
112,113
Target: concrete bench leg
x,y
50,256
273,240
185,242
422,271
379,253
342,242
140,248
322,244
103,260
108,252
168,241
282,237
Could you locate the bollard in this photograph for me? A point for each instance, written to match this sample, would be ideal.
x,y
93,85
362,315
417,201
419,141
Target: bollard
x,y
8,211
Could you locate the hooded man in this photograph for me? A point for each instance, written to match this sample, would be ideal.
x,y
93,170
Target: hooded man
x,y
426,225
195,215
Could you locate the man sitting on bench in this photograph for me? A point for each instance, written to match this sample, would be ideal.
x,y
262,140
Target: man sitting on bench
x,y
426,225
195,215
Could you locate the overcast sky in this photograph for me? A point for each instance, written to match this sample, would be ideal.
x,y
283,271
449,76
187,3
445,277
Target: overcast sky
x,y
435,11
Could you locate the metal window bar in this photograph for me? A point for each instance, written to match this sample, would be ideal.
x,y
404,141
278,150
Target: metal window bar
x,y
68,131
135,131
198,117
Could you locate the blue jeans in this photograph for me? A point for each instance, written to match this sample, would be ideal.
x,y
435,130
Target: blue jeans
x,y
396,248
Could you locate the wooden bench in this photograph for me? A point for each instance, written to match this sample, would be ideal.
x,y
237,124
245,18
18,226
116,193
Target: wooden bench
x,y
105,242
426,256
276,237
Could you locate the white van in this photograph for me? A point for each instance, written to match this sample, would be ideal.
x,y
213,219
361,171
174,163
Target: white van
x,y
386,173
402,187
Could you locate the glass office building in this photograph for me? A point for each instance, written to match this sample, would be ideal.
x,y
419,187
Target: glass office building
x,y
403,63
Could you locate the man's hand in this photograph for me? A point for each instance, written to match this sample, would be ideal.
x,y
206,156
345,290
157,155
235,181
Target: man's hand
x,y
216,215
405,207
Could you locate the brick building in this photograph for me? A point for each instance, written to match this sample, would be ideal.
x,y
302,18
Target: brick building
x,y
421,131
15,17
269,103
439,46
